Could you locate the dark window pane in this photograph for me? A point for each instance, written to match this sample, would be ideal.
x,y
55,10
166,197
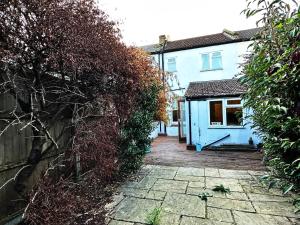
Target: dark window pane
x,y
175,115
216,113
234,116
234,102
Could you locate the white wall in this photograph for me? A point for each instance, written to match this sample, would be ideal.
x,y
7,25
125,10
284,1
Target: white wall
x,y
201,133
188,63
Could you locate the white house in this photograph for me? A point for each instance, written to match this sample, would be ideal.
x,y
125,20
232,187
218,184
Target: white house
x,y
206,58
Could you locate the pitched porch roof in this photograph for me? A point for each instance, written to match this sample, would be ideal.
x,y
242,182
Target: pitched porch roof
x,y
215,88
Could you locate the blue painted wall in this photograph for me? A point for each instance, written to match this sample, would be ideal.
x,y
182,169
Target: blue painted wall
x,y
204,134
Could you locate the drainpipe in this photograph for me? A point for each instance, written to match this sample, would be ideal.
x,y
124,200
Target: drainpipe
x,y
190,146
159,68
163,70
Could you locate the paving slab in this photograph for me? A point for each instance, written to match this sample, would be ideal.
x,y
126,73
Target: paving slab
x,y
237,195
156,195
197,221
196,184
243,218
182,204
275,208
134,192
163,173
223,215
183,171
135,209
211,172
232,184
236,174
170,186
262,190
169,219
146,183
189,178
230,204
268,198
257,173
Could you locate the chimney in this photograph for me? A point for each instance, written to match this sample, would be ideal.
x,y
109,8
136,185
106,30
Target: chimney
x,y
162,39
230,34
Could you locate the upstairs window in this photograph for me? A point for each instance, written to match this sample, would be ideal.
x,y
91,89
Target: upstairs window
x,y
211,61
171,64
216,60
205,62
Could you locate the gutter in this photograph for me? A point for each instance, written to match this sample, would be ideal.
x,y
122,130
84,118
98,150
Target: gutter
x,y
200,46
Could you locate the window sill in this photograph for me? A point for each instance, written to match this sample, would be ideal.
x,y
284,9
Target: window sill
x,y
226,127
174,124
210,70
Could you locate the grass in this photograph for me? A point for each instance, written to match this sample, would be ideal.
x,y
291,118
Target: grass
x,y
154,217
221,188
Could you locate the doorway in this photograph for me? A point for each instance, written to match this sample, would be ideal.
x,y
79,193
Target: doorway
x,y
181,121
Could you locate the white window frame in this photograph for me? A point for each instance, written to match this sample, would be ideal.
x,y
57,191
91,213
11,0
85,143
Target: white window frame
x,y
224,107
210,58
173,107
175,64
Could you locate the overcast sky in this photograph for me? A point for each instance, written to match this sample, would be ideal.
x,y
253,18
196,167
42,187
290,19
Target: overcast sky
x,y
142,21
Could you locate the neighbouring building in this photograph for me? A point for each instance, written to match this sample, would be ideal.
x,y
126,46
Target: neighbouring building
x,y
207,109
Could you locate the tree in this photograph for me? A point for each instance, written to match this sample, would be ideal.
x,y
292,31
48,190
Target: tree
x,y
272,75
63,59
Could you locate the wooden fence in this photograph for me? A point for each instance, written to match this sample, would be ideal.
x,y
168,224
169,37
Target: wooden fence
x,y
15,146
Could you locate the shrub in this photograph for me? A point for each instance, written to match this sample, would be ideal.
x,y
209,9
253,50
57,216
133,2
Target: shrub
x,y
272,76
135,133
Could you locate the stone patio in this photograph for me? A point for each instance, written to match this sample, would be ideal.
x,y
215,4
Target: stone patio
x,y
175,190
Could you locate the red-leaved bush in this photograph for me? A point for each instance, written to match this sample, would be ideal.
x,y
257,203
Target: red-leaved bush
x,y
64,60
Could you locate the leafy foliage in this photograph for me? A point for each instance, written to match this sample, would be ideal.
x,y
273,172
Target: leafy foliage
x,y
135,133
154,217
221,188
272,75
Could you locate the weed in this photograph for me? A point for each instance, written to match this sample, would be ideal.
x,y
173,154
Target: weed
x,y
204,196
221,188
154,217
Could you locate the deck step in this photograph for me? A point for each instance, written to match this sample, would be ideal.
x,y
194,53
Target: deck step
x,y
233,147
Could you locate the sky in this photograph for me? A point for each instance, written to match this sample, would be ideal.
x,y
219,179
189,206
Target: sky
x,y
142,21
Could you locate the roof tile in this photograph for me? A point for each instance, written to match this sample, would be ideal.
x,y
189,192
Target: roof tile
x,y
215,88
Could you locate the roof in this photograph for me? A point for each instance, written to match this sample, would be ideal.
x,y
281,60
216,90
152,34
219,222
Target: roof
x,y
225,37
215,88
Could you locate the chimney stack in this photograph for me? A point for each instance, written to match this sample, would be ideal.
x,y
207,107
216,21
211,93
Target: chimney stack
x,y
230,34
162,39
